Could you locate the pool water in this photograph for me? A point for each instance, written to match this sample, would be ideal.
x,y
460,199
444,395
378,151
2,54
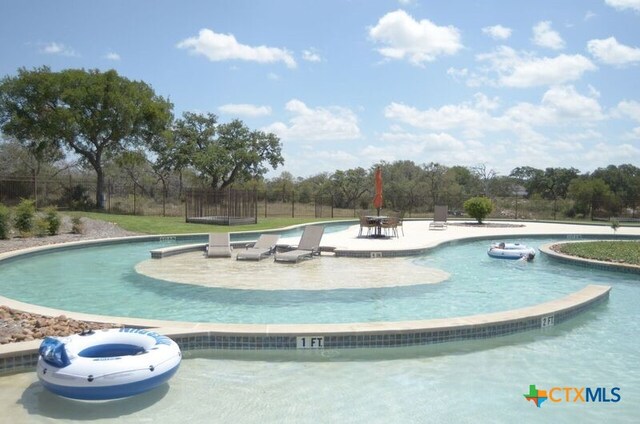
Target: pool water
x,y
102,280
461,382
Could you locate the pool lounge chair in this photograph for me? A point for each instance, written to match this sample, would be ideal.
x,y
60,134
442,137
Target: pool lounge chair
x,y
308,247
263,247
439,218
219,246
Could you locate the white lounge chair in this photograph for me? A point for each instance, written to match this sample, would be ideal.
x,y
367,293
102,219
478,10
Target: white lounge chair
x,y
219,245
308,247
439,218
263,247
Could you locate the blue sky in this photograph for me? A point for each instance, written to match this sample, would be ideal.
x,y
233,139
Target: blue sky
x,y
347,83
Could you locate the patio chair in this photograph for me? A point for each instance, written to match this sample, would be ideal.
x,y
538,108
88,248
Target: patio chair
x,y
263,247
390,225
308,247
219,245
400,217
365,223
439,218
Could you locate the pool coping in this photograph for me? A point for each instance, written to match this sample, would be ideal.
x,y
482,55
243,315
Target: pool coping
x,y
589,263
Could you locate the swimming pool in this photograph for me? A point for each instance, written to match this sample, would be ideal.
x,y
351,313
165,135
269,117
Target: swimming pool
x,y
102,280
471,381
482,381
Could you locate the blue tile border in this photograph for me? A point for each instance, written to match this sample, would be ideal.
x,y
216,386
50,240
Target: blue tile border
x,y
391,339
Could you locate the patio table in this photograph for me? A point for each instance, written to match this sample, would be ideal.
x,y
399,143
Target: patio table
x,y
378,220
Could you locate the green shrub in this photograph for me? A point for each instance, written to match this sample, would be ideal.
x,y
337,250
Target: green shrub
x,y
53,220
24,213
478,208
41,227
76,225
5,222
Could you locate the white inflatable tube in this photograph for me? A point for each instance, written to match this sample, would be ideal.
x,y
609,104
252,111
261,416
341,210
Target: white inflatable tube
x,y
511,251
107,364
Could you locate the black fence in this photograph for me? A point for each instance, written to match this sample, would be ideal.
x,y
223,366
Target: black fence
x,y
238,206
75,193
224,207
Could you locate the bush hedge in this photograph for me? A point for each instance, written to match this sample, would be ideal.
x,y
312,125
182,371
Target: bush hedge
x,y
5,222
24,214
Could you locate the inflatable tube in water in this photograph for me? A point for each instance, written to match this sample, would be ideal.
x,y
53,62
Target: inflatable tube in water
x,y
107,364
511,251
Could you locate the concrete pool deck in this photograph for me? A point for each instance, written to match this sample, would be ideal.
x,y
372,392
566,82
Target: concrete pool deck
x,y
417,239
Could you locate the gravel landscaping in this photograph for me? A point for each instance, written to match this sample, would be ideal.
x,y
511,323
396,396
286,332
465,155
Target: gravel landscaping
x,y
18,326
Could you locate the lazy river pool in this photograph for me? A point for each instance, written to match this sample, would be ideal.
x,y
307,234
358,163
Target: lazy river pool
x,y
103,280
471,381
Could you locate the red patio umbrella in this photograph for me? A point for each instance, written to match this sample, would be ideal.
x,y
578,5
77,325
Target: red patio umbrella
x,y
377,199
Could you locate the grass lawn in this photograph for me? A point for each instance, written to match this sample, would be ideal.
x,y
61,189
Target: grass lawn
x,y
610,251
176,225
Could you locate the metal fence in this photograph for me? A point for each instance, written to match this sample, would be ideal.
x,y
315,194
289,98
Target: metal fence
x,y
152,198
225,207
74,193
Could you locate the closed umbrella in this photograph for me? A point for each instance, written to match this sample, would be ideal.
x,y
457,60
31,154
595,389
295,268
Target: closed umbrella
x,y
377,199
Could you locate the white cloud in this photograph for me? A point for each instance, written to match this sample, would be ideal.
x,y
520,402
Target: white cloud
x,y
244,109
544,36
562,129
334,157
415,144
458,73
221,47
629,108
589,15
593,92
313,124
311,55
58,49
470,78
497,32
466,116
568,105
312,161
525,70
634,134
112,56
560,105
418,41
611,52
440,147
624,4
608,153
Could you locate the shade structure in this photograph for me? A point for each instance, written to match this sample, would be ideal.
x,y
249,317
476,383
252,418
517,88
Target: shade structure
x,y
377,199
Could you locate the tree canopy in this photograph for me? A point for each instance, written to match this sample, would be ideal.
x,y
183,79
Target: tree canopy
x,y
114,126
95,114
225,153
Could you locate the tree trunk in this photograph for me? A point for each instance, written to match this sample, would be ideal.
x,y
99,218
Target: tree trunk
x,y
100,188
